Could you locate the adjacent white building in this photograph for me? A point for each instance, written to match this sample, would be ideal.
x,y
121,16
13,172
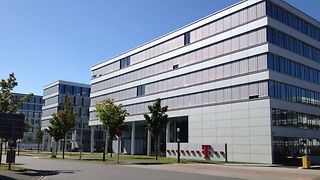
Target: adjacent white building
x,y
246,76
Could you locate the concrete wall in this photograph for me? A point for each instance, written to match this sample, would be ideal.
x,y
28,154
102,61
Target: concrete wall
x,y
244,126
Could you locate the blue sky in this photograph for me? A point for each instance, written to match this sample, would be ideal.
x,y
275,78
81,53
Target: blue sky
x,y
44,41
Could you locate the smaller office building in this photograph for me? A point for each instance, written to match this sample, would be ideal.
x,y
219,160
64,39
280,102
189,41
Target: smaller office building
x,y
55,96
32,109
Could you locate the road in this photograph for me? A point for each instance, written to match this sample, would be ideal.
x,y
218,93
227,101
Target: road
x,y
71,169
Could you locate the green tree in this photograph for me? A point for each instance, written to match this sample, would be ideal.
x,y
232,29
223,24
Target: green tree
x,y
61,123
112,117
27,126
8,101
156,123
39,136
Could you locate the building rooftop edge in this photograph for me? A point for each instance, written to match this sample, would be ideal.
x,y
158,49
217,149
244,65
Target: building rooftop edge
x,y
97,65
171,32
26,94
65,82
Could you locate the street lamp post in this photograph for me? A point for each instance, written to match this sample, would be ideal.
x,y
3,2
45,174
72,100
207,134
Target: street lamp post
x,y
1,151
178,141
81,144
19,141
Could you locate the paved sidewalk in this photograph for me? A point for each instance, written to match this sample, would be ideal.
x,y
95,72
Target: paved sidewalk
x,y
242,172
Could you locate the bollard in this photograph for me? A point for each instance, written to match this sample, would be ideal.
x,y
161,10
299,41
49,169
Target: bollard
x,y
305,162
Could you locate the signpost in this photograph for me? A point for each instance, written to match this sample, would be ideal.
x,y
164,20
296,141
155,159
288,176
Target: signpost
x,y
178,141
119,134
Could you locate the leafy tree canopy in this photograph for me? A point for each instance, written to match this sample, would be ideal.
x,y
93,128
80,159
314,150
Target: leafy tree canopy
x,y
39,135
62,121
27,126
156,123
8,101
158,119
112,116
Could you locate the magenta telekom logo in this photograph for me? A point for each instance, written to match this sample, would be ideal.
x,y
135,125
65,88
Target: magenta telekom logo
x,y
206,150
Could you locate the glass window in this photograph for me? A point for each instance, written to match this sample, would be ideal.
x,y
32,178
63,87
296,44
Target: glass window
x,y
186,38
78,91
85,91
285,17
271,89
292,69
282,65
302,72
283,91
274,12
69,89
294,119
276,63
293,93
290,19
307,74
280,14
141,90
270,35
125,62
269,8
270,61
281,39
62,88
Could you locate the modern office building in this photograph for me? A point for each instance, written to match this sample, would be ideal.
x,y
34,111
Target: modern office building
x,y
54,97
31,108
246,76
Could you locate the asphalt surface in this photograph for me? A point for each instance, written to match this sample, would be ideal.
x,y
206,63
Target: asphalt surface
x,y
74,169
69,169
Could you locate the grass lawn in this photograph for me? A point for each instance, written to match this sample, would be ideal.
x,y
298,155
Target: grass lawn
x,y
4,167
124,159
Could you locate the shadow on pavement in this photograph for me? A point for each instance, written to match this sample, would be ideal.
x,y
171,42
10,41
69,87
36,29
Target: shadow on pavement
x,y
18,164
5,177
92,159
149,163
31,172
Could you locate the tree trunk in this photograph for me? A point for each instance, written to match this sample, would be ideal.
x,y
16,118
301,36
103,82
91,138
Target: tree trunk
x,y
63,146
119,151
104,151
111,147
156,147
38,147
53,149
1,152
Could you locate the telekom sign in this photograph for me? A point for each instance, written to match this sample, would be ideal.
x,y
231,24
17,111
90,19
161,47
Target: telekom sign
x,y
119,133
206,151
